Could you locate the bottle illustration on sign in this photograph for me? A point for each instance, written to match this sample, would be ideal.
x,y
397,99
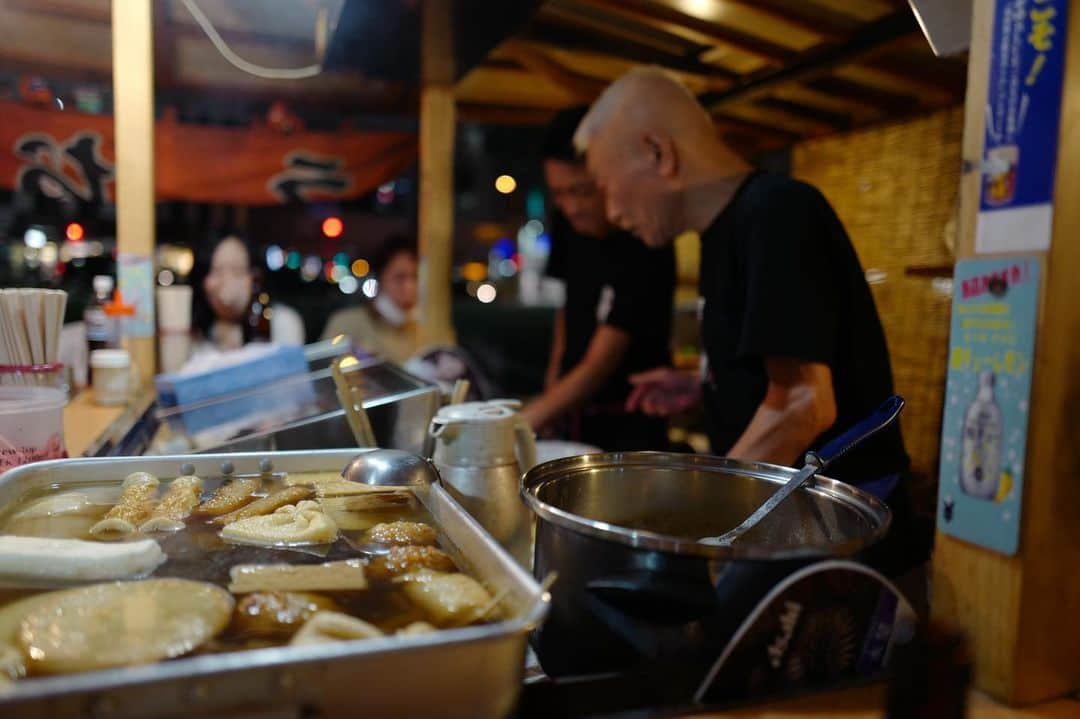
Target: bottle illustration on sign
x,y
980,460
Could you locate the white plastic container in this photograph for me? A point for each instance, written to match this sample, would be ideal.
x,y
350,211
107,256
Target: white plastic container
x,y
31,425
112,376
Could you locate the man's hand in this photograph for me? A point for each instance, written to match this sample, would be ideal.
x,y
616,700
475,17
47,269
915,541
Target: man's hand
x,y
663,391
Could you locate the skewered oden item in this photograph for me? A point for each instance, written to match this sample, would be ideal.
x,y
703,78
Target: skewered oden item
x,y
229,497
268,504
277,615
334,627
289,526
345,575
402,533
134,508
176,506
404,560
43,559
448,599
122,624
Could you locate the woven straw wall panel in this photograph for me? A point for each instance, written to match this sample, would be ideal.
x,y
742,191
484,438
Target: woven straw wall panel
x,y
895,188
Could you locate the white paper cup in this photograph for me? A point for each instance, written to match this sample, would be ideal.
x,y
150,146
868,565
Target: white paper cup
x,y
174,308
31,425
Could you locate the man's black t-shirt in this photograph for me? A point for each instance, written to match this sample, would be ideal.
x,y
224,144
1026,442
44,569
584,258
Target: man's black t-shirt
x,y
780,278
620,282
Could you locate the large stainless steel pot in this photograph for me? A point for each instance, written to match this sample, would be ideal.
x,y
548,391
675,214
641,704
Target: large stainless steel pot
x,y
635,587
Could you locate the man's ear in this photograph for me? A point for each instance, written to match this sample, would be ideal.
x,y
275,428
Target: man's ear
x,y
663,152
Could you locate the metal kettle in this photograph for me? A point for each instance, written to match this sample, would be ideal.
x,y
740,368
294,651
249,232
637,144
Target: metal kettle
x,y
481,451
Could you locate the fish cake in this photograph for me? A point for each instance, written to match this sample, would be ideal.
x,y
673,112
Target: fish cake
x,y
122,624
448,599
344,575
229,497
179,501
289,526
334,627
404,560
402,533
268,504
135,505
277,615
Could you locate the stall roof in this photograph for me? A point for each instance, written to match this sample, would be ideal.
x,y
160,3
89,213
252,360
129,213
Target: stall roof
x,y
771,71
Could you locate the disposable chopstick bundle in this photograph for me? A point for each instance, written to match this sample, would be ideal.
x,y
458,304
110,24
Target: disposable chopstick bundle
x,y
30,324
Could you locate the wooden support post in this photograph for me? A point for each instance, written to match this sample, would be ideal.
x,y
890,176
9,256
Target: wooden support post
x,y
133,112
436,212
1020,613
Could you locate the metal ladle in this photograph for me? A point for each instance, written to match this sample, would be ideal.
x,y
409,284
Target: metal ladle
x,y
816,462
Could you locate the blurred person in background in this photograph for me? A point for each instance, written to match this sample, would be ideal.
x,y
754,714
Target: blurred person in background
x,y
618,312
386,326
795,349
230,310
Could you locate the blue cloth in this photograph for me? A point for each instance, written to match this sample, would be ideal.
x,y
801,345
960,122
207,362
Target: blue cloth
x,y
881,487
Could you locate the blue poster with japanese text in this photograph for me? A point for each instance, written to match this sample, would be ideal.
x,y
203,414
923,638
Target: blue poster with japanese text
x,y
1023,108
984,429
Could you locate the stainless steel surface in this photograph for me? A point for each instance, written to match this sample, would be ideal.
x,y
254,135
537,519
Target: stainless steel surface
x,y
796,481
492,495
637,589
399,407
817,461
390,467
469,672
666,501
481,451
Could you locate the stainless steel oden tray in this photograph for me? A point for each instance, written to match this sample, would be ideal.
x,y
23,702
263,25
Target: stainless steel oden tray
x,y
468,672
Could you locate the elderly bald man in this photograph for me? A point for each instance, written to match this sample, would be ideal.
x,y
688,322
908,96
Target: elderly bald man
x,y
794,345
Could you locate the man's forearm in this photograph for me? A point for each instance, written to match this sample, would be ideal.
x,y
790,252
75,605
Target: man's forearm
x,y
604,355
571,390
784,426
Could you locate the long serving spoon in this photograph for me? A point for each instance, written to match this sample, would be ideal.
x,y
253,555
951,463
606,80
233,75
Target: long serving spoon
x,y
816,462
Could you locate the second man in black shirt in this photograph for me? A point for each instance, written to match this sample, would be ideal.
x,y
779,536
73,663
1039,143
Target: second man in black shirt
x,y
617,317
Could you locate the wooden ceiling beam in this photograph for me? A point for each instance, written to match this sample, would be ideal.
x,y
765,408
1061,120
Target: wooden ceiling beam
x,y
706,35
926,90
888,101
833,119
599,20
502,115
860,111
545,32
584,89
767,51
730,123
776,119
784,16
817,62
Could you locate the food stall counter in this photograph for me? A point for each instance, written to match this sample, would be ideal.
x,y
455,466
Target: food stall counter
x,y
85,422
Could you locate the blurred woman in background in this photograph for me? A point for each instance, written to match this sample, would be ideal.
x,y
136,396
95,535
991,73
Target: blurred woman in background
x,y
386,326
230,310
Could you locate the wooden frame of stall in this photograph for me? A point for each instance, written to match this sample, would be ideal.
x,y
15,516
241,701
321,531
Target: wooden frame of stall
x,y
1016,611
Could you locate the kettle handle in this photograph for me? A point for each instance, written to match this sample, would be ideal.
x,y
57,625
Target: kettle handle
x,y
524,444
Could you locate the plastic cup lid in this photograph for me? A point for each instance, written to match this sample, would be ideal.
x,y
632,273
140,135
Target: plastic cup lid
x,y
110,358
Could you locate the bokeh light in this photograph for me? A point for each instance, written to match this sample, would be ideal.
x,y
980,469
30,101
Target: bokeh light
x,y
505,184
